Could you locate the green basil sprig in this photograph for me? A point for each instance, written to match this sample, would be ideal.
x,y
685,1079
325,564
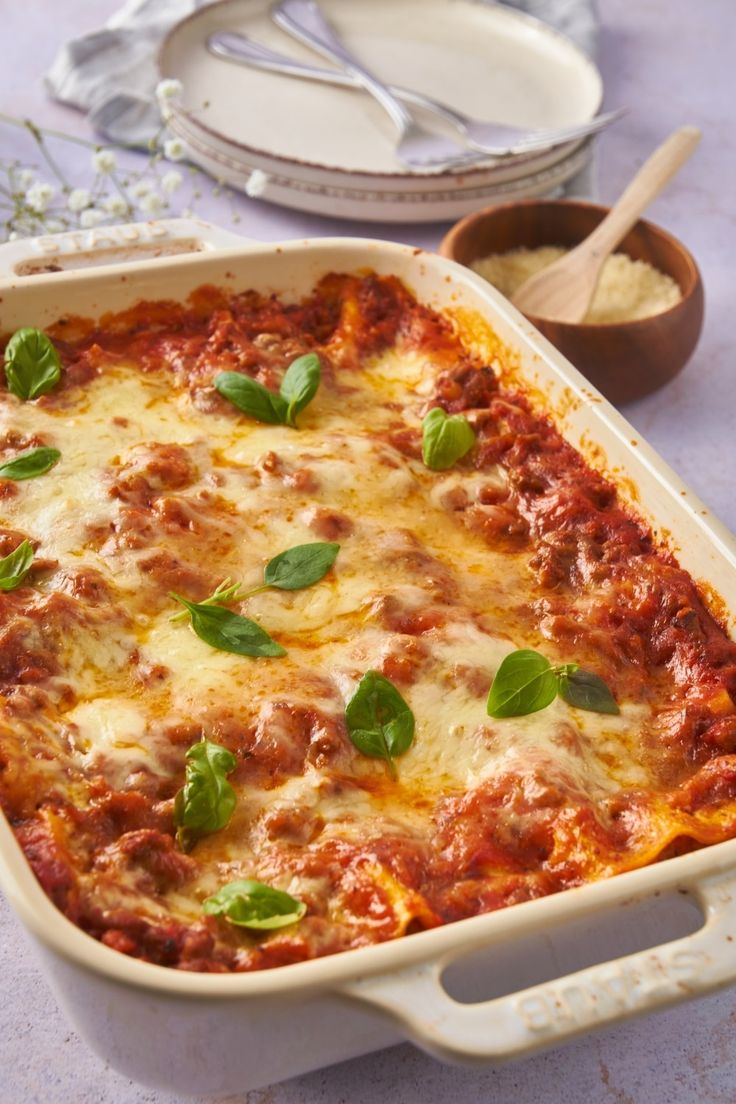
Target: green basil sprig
x,y
527,682
380,723
15,567
206,801
29,464
250,904
32,364
298,388
445,439
228,631
293,569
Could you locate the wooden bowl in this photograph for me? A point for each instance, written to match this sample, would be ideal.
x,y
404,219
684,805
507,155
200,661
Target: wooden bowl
x,y
624,360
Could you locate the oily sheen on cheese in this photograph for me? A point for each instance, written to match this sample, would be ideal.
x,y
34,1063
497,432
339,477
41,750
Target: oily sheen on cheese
x,y
164,486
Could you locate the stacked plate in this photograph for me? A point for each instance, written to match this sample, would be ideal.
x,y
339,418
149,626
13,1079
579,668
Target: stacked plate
x,y
328,150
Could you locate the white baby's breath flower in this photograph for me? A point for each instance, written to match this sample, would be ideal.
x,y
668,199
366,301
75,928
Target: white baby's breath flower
x,y
174,149
115,205
171,181
78,199
91,217
141,188
167,94
39,207
152,203
256,184
39,195
168,89
24,178
104,161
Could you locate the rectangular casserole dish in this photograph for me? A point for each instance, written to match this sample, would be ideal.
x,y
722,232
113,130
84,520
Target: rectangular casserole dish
x,y
223,1034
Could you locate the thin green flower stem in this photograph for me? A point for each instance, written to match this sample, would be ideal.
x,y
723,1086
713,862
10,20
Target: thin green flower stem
x,y
48,132
120,188
37,136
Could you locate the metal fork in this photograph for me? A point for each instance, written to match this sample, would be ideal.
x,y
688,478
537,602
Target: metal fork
x,y
496,140
417,148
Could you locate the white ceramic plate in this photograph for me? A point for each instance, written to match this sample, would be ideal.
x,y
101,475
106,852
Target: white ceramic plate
x,y
410,199
479,57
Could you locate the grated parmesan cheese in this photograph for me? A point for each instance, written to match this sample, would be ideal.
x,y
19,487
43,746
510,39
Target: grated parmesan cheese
x,y
627,289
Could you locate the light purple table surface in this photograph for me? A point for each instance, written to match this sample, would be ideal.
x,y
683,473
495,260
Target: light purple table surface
x,y
671,62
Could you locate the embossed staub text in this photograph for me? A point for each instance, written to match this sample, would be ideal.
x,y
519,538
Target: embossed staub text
x,y
609,991
80,241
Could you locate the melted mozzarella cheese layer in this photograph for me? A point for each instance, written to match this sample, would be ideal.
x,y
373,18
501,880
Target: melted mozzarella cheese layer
x,y
402,554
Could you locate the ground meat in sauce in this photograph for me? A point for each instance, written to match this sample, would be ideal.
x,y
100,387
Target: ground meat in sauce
x,y
599,589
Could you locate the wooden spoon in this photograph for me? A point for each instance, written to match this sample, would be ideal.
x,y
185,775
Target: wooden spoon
x,y
564,289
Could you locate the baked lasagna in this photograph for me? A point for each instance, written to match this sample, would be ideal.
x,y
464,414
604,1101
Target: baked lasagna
x,y
246,651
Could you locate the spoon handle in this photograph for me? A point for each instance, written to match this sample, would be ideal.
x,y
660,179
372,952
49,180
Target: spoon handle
x,y
651,178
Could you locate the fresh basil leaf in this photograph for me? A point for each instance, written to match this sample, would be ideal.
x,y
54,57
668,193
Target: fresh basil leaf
x,y
585,690
524,683
206,801
380,723
252,397
299,385
32,364
29,464
15,566
228,631
252,904
445,439
300,566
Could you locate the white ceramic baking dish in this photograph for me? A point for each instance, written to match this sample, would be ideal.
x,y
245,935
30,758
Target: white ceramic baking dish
x,y
220,1034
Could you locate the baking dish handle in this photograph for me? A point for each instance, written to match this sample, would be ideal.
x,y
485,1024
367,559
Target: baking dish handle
x,y
104,245
555,1011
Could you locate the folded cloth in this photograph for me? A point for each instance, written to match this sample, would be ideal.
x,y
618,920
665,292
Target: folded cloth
x,y
111,74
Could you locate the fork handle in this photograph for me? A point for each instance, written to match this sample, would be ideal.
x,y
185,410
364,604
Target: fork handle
x,y
303,20
238,47
234,46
